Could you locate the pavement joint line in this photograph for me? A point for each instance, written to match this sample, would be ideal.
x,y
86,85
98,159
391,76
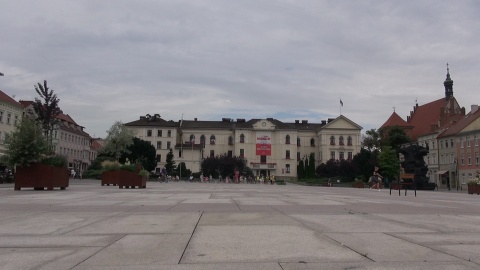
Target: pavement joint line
x,y
190,239
431,248
100,250
280,265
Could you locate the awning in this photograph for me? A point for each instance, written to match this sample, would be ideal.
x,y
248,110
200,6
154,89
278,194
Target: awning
x,y
441,172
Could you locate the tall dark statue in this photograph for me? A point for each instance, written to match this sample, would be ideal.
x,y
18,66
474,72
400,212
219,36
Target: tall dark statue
x,y
414,163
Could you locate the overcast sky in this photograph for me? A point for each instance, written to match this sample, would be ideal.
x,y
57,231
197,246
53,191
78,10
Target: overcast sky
x,y
116,60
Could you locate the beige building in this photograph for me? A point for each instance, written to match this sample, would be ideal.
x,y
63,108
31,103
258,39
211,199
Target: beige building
x,y
270,146
11,113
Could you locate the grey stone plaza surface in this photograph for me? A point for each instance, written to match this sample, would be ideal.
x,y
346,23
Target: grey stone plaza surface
x,y
183,226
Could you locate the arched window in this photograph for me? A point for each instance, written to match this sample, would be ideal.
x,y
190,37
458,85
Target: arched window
x,y
202,140
332,140
298,141
212,139
287,139
340,140
312,142
242,138
230,140
349,140
192,138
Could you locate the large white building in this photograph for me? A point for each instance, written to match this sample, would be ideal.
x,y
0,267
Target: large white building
x,y
270,146
11,113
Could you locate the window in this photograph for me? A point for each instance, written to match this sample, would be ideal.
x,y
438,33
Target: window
x,y
350,155
349,140
230,140
452,158
169,133
468,141
461,143
159,158
159,145
230,153
312,142
9,116
287,154
242,138
263,159
212,153
451,142
463,159
202,140
477,160
469,159
192,139
15,120
426,144
298,156
434,157
159,133
149,133
475,138
287,168
212,139
169,145
433,146
332,155
298,141
442,159
1,116
332,140
242,153
446,143
180,153
287,139
341,155
340,140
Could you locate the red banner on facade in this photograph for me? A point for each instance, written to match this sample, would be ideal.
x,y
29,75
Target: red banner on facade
x,y
264,149
264,144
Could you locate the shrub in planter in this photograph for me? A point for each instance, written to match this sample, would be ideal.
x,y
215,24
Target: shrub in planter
x,y
473,187
30,153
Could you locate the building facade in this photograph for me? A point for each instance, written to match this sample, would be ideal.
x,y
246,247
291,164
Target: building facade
x,y
11,113
270,146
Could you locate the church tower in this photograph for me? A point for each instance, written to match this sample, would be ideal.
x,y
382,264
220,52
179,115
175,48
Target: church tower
x,y
448,83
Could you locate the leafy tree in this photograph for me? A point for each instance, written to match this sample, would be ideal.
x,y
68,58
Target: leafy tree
x,y
140,152
183,169
301,170
46,109
26,144
371,140
170,163
364,163
396,136
311,166
118,139
224,165
389,162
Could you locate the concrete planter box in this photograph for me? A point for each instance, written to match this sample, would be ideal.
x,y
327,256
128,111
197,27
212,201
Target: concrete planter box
x,y
40,176
472,189
123,179
359,185
110,177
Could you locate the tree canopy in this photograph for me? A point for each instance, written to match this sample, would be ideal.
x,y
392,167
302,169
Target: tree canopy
x,y
46,108
142,152
26,144
119,137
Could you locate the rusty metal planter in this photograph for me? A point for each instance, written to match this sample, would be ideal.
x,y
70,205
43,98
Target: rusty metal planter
x,y
110,177
40,176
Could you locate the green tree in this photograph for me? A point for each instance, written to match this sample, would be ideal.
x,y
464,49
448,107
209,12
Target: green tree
x,y
389,162
182,170
170,163
224,165
371,140
364,163
26,144
142,152
301,170
118,139
311,166
396,136
46,109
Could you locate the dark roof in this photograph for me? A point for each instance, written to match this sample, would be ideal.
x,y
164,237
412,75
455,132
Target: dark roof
x,y
455,127
395,120
157,121
6,98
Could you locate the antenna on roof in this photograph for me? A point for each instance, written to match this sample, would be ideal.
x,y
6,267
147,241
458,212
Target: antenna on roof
x,y
393,109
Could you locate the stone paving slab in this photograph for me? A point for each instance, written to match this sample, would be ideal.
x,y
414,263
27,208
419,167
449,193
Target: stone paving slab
x,y
183,226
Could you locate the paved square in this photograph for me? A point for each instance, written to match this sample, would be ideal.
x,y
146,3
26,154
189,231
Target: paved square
x,y
183,226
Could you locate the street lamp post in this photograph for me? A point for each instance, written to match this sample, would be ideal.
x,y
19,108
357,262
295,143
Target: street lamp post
x,y
305,167
1,74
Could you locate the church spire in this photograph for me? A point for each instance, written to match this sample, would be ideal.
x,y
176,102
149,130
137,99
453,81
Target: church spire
x,y
448,83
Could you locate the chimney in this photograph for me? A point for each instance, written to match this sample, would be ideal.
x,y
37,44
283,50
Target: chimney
x,y
297,121
474,108
304,121
324,122
195,119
